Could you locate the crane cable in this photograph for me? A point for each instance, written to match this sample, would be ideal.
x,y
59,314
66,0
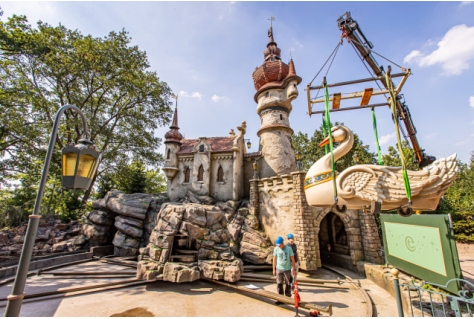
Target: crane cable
x,y
328,124
406,182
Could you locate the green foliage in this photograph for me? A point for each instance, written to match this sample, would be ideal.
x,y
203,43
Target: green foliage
x,y
311,152
393,157
459,202
107,78
132,178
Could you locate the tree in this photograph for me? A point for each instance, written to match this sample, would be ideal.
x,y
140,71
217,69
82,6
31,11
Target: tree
x,y
311,152
132,178
107,78
459,202
393,157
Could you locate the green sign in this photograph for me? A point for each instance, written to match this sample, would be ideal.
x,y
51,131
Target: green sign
x,y
423,246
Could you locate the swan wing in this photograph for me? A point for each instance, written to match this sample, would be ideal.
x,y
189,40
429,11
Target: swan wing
x,y
383,183
444,170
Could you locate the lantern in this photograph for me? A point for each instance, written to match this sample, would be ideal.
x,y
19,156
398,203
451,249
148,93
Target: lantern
x,y
80,164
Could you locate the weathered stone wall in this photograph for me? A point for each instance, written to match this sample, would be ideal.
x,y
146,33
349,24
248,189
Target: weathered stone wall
x,y
221,191
306,237
275,212
370,237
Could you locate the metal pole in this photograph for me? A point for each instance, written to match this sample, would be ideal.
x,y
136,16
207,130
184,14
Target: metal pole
x,y
398,296
15,300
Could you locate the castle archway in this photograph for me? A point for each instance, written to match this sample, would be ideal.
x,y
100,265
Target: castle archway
x,y
339,238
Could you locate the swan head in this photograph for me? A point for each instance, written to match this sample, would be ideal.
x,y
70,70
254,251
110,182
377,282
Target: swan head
x,y
339,134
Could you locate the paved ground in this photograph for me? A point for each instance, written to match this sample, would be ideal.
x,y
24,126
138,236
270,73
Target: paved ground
x,y
201,299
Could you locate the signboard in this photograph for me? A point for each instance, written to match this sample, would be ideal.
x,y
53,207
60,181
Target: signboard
x,y
423,246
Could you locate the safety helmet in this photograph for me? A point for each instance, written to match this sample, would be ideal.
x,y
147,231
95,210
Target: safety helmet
x,y
279,240
290,236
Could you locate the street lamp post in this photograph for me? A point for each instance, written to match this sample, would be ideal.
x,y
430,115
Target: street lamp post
x,y
298,157
79,166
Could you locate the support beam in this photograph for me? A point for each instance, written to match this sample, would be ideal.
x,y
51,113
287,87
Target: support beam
x,y
336,101
366,97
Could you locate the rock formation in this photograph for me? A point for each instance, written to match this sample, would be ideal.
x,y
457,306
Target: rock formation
x,y
149,226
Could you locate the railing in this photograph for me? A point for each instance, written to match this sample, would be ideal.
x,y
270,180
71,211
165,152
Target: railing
x,y
433,300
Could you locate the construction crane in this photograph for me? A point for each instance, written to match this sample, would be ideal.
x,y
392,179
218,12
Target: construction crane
x,y
351,31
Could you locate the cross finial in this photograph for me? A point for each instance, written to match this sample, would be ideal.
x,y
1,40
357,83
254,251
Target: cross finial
x,y
272,18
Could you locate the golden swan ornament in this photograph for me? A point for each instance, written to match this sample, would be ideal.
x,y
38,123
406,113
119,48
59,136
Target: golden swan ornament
x,y
360,185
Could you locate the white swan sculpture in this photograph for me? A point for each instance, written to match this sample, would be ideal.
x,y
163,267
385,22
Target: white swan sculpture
x,y
359,185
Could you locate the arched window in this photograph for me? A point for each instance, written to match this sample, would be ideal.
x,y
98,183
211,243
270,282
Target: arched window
x,y
200,173
281,117
186,174
168,154
220,174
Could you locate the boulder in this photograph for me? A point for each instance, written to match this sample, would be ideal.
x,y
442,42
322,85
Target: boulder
x,y
100,217
124,241
62,227
160,240
176,272
254,254
127,229
132,205
96,234
169,218
125,251
62,246
222,270
193,231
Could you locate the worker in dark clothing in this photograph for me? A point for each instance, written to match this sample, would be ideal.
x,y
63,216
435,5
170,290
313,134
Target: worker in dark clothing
x,y
292,245
283,262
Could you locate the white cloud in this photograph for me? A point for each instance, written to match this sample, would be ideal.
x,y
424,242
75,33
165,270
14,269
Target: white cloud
x,y
454,52
197,95
194,95
465,3
217,98
471,101
386,138
413,56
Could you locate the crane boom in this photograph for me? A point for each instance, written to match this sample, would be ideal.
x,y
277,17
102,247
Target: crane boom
x,y
354,34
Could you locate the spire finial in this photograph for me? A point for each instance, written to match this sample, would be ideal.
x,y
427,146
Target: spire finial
x,y
270,32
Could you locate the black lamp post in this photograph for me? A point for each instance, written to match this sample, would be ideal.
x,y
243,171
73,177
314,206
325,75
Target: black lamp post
x,y
80,163
249,145
298,157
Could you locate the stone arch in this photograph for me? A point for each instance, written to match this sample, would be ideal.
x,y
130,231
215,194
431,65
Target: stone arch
x,y
351,223
220,174
200,176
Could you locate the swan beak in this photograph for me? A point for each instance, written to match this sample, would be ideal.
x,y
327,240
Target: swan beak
x,y
326,141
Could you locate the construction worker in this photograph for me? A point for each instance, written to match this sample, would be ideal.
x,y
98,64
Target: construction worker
x,y
283,262
292,245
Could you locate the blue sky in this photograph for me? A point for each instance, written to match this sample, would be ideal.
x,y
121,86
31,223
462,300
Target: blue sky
x,y
207,51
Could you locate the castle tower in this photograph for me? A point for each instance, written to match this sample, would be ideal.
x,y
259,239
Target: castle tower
x,y
173,145
276,85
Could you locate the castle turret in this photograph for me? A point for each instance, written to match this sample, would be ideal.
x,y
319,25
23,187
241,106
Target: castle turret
x,y
173,145
276,85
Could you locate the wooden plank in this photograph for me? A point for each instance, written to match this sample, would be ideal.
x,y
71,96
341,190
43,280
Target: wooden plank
x,y
336,101
366,97
275,296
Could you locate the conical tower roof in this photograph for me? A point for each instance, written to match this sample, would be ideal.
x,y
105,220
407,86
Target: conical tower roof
x,y
273,73
173,135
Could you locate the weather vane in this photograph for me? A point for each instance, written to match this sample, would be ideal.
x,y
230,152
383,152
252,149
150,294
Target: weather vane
x,y
272,18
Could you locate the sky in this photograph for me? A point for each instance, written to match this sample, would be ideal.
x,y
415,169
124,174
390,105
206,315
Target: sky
x,y
206,52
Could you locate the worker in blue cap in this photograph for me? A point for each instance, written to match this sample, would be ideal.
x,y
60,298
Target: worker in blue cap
x,y
283,262
292,245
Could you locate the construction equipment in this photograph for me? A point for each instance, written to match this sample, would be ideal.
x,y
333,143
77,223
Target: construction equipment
x,y
351,31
